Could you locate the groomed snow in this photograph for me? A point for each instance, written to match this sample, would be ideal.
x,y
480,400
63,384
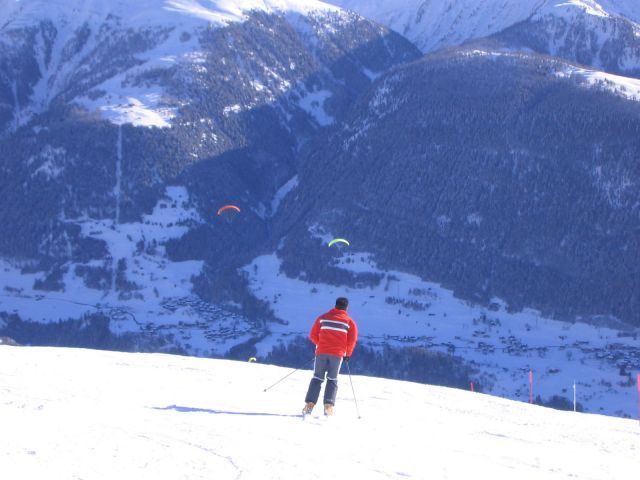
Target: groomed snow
x,y
103,415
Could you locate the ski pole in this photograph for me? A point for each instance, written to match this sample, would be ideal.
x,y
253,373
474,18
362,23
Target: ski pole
x,y
288,375
353,390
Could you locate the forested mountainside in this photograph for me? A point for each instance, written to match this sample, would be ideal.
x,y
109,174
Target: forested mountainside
x,y
490,172
228,108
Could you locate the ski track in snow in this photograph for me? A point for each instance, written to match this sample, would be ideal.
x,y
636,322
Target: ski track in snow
x,y
103,415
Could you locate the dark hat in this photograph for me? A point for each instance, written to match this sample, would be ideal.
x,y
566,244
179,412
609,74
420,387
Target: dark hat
x,y
342,303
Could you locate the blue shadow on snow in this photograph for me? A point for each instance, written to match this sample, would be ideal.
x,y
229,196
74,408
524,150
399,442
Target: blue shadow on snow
x,y
178,408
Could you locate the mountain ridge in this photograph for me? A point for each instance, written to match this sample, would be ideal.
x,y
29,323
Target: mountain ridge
x,y
434,25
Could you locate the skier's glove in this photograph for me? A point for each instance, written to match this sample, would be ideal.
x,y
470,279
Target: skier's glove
x,y
346,358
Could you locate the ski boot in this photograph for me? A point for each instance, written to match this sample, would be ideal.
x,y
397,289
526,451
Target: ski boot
x,y
308,408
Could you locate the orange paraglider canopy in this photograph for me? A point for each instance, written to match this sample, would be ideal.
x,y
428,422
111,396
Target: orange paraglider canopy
x,y
228,207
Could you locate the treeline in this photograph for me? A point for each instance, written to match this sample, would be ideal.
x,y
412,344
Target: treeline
x,y
90,331
415,364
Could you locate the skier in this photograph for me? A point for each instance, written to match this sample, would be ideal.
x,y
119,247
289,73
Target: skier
x,y
334,334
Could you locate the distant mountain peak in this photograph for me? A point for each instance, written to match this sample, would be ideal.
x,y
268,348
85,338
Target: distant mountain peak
x,y
218,12
432,25
599,8
590,7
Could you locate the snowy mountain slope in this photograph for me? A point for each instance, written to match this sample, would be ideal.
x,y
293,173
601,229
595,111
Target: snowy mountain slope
x,y
494,177
76,49
583,32
109,233
435,24
96,206
299,63
625,87
176,12
598,8
147,295
158,416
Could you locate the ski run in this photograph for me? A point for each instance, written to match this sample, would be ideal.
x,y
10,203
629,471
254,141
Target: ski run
x,y
82,414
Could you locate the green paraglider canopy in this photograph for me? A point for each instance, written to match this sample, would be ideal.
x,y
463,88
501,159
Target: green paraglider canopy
x,y
338,240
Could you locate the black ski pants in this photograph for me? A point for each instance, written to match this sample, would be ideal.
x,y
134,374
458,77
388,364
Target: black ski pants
x,y
328,365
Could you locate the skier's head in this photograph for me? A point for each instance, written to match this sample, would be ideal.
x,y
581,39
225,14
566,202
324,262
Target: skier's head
x,y
342,303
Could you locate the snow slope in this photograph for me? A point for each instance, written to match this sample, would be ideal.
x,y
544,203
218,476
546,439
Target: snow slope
x,y
625,87
435,24
83,29
599,8
103,415
148,12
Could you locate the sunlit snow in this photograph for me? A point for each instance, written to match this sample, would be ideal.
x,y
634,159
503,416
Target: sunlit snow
x,y
626,87
102,415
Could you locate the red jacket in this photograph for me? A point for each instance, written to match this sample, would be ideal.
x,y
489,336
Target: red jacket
x,y
334,333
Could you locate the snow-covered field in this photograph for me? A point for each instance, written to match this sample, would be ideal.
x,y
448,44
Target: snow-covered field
x,y
82,414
